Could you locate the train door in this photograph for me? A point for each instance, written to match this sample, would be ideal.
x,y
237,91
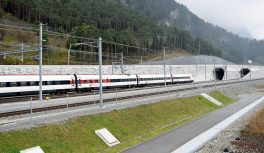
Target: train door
x,y
75,82
138,80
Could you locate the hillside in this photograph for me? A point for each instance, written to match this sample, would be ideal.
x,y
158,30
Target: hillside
x,y
110,19
171,13
191,60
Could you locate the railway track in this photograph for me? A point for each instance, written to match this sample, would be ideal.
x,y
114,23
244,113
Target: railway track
x,y
14,99
64,106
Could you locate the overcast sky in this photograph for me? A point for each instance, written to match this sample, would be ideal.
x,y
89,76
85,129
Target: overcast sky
x,y
243,17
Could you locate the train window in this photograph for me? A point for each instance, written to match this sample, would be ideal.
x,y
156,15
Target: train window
x,y
8,84
23,84
45,83
12,84
28,83
63,82
2,84
37,83
115,80
18,84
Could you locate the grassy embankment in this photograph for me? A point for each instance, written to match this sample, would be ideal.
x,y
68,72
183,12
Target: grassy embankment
x,y
131,126
221,97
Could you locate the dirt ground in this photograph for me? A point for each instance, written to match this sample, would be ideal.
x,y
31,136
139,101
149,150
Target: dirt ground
x,y
252,136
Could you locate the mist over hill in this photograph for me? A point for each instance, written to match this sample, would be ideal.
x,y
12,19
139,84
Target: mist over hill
x,y
171,13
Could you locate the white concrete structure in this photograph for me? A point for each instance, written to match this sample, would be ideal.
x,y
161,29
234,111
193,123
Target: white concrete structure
x,y
107,137
33,150
199,72
211,99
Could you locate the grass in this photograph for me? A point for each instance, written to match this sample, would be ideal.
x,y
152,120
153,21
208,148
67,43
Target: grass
x,y
256,124
252,136
129,126
221,97
259,86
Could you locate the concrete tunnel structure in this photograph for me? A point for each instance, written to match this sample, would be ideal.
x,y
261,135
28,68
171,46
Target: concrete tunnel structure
x,y
244,72
219,73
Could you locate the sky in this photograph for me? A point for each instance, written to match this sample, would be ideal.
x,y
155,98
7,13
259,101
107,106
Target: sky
x,y
242,17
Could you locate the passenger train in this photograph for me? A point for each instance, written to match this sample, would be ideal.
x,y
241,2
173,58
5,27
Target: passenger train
x,y
15,85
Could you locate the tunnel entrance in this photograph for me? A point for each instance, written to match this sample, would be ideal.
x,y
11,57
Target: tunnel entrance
x,y
244,72
219,73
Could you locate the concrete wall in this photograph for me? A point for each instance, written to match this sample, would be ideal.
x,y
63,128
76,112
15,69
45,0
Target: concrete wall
x,y
199,72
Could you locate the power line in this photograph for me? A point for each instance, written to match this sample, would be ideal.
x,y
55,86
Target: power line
x,y
12,26
148,50
17,30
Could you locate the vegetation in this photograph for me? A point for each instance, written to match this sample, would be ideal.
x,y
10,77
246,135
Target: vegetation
x,y
148,24
169,12
131,126
251,137
221,97
109,19
259,86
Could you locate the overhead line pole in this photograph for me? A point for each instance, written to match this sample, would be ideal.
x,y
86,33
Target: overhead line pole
x,y
40,62
22,52
100,71
164,66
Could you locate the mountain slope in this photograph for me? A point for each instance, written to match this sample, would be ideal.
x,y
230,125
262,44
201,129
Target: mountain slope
x,y
111,19
171,13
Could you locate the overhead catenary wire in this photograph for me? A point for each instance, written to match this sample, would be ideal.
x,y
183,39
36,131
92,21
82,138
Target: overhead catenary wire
x,y
114,45
73,36
18,27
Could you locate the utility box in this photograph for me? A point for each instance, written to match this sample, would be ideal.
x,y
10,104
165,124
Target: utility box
x,y
107,137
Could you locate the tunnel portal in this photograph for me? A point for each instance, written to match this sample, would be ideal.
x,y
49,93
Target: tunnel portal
x,y
244,72
219,73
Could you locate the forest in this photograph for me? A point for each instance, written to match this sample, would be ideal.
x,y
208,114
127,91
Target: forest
x,y
113,20
233,47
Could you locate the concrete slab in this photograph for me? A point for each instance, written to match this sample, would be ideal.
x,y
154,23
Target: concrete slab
x,y
33,150
107,137
211,99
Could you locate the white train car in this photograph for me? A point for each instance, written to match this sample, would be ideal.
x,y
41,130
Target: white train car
x,y
153,79
182,78
11,85
92,81
25,84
